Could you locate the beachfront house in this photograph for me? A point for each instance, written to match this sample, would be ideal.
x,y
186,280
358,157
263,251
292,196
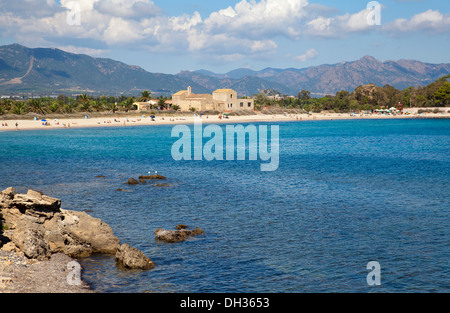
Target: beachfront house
x,y
145,106
222,100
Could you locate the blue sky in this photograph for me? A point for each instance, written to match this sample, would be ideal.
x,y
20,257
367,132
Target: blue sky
x,y
174,35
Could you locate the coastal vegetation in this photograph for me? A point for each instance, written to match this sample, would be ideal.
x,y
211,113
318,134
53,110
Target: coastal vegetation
x,y
364,97
367,97
81,103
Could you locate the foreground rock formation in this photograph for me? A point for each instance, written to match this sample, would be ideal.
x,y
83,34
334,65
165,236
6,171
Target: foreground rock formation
x,y
34,225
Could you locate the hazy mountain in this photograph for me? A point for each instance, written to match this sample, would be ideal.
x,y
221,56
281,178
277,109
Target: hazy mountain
x,y
44,70
330,78
246,85
52,70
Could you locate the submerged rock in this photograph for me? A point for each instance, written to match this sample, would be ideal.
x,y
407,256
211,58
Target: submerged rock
x,y
132,181
156,176
180,234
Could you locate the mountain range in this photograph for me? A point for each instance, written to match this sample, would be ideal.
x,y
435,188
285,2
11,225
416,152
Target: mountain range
x,y
50,70
329,78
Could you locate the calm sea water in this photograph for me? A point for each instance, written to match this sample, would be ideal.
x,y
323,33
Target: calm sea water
x,y
345,193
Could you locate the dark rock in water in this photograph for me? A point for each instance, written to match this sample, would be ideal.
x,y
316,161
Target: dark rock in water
x,y
157,176
163,185
142,181
100,176
133,258
132,181
181,234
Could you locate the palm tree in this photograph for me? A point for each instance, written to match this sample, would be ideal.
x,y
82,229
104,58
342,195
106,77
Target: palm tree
x,y
70,106
85,102
162,103
54,106
86,107
112,106
36,105
19,108
128,104
146,95
96,105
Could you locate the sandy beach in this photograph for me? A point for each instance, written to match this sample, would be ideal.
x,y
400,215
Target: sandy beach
x,y
140,120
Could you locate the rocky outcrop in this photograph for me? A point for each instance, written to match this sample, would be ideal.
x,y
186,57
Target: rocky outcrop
x,y
85,229
133,258
132,181
33,204
156,176
180,234
143,179
38,227
30,238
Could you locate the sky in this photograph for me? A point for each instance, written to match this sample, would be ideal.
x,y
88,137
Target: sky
x,y
169,36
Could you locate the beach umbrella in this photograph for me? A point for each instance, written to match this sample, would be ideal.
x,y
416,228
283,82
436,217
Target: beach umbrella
x,y
152,116
44,120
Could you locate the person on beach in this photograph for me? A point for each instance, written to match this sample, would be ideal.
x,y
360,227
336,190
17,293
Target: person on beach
x,y
17,126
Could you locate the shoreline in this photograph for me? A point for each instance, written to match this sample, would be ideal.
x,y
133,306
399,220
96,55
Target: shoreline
x,y
133,120
22,275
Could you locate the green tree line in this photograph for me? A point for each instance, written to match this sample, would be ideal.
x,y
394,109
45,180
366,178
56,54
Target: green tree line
x,y
367,97
81,103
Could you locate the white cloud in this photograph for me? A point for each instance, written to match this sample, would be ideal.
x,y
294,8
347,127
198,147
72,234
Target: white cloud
x,y
83,50
249,29
128,8
23,8
257,19
121,31
431,21
309,55
339,26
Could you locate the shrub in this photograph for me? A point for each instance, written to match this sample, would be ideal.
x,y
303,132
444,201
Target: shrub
x,y
19,108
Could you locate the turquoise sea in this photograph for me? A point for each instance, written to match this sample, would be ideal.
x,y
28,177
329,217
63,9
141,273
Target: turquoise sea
x,y
345,193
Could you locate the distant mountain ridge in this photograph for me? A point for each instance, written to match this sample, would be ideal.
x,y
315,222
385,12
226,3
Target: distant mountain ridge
x,y
330,78
46,70
50,70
